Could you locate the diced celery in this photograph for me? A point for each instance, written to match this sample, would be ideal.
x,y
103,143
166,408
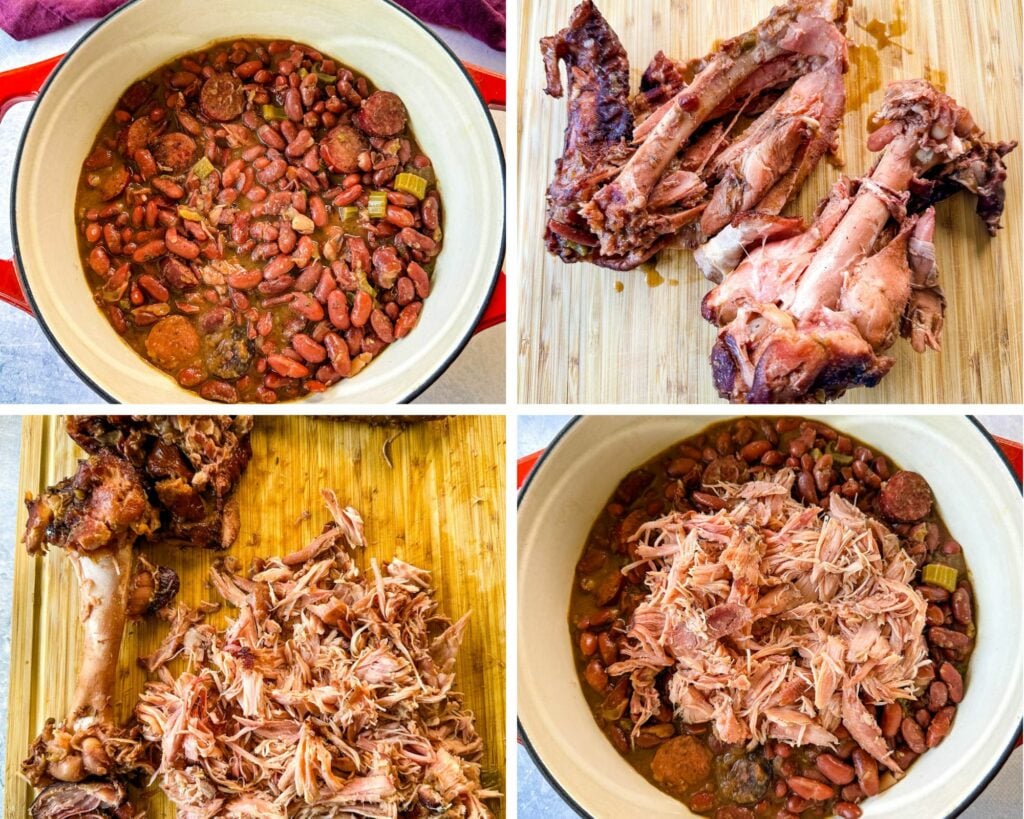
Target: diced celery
x,y
349,213
272,112
411,183
841,459
203,168
329,79
938,574
378,208
189,215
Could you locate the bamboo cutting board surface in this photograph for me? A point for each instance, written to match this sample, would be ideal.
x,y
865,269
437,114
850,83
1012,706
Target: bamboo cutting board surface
x,y
582,341
440,507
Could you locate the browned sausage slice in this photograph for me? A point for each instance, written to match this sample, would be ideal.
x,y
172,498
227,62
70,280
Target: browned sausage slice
x,y
681,763
905,497
172,343
174,152
136,95
138,135
112,182
222,98
341,147
383,114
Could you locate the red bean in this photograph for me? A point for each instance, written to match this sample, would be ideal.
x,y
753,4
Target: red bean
x,y
407,319
961,603
362,305
168,187
400,217
338,352
149,251
810,789
337,310
848,810
954,682
288,367
939,726
180,246
307,307
317,211
245,279
892,716
835,769
278,266
99,261
153,288
309,349
595,676
191,377
382,326
349,196
219,391
938,695
867,772
913,735
270,137
948,638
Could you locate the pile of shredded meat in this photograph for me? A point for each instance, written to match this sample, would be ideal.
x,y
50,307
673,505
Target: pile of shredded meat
x,y
330,692
776,620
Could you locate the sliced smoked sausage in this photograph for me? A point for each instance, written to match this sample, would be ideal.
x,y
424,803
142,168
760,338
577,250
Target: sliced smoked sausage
x,y
222,98
681,763
341,147
382,114
174,152
905,497
172,342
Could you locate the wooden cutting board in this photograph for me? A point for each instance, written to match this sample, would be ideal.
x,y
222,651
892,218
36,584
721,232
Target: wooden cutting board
x,y
589,335
441,506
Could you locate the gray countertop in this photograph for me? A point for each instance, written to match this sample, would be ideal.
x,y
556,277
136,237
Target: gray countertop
x,y
535,796
31,370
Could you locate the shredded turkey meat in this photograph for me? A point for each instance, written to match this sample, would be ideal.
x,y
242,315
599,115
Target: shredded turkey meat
x,y
330,693
776,620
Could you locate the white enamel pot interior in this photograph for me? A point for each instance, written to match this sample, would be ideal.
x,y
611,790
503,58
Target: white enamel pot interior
x,y
375,38
978,499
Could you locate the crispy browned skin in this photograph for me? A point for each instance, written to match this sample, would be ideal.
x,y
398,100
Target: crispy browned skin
x,y
600,123
190,464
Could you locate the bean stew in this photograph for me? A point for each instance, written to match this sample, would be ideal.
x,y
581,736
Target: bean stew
x,y
777,779
258,221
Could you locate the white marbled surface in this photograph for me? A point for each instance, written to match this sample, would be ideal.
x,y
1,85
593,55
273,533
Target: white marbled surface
x,y
31,370
535,796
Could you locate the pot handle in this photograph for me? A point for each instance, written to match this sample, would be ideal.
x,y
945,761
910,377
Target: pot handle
x,y
19,85
492,88
490,85
525,465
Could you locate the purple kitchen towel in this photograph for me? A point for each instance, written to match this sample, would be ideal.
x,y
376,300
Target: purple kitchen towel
x,y
23,19
483,19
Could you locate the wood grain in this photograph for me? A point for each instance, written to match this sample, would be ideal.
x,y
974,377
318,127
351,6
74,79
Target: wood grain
x,y
581,341
441,507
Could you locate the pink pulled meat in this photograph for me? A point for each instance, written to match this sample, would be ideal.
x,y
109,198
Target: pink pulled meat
x,y
330,693
776,620
807,314
640,173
